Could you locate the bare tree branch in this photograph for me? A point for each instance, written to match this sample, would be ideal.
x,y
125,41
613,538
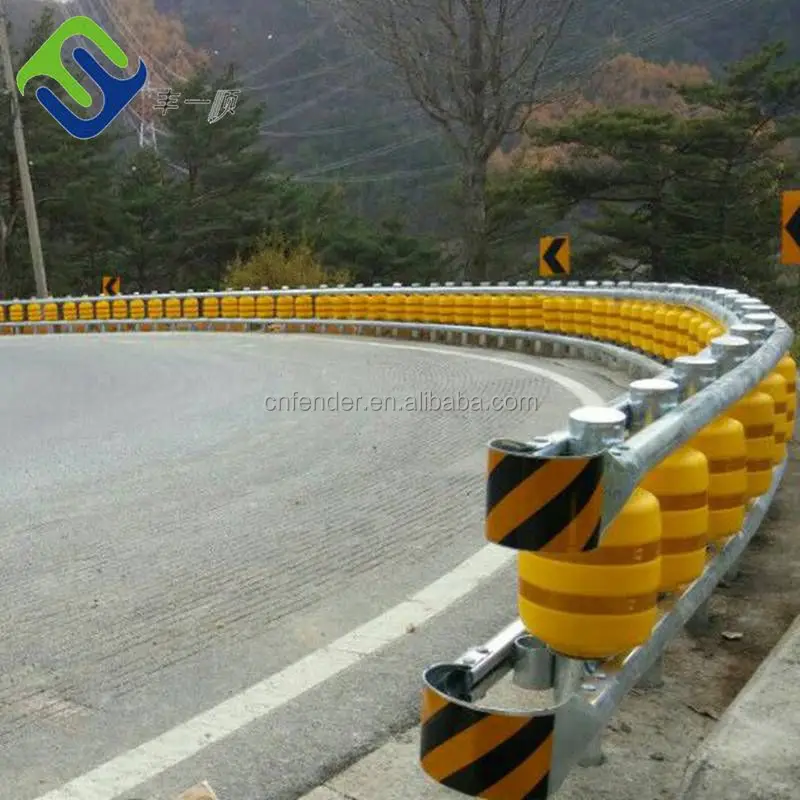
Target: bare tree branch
x,y
472,66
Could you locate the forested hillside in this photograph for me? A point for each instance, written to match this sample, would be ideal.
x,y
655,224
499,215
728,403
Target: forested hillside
x,y
333,116
330,112
328,107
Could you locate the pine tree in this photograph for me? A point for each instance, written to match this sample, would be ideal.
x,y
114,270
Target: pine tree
x,y
621,166
146,223
734,164
694,196
222,196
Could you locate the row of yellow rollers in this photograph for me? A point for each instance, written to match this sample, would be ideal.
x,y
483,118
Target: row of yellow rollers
x,y
657,328
603,603
228,307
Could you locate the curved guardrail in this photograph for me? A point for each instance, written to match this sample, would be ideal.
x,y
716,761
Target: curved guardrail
x,y
623,523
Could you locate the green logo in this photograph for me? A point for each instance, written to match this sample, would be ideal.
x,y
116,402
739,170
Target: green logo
x,y
117,92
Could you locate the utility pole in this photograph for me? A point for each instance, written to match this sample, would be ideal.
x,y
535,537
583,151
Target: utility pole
x,y
22,158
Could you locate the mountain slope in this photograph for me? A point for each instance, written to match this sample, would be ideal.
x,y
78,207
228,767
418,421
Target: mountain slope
x,y
333,116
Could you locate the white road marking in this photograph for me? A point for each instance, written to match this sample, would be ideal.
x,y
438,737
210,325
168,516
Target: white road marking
x,y
143,763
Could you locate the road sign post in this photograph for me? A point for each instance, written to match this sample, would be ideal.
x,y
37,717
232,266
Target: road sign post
x,y
554,256
790,228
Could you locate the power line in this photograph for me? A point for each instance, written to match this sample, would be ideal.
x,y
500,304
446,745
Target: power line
x,y
115,18
337,131
299,45
320,72
554,69
407,174
368,155
305,105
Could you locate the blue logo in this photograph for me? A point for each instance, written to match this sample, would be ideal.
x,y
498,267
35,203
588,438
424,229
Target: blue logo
x,y
117,92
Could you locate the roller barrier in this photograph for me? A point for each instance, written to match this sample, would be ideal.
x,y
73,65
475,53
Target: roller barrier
x,y
623,523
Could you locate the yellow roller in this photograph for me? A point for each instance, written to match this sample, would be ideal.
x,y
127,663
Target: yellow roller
x,y
430,304
647,332
583,315
602,602
102,310
358,306
670,332
625,307
681,484
136,309
597,604
247,306
660,330
566,315
69,311
191,307
550,313
51,312
482,310
534,314
683,339
447,309
776,387
612,320
462,314
516,312
229,307
724,445
265,305
787,367
498,311
599,324
304,307
210,309
284,306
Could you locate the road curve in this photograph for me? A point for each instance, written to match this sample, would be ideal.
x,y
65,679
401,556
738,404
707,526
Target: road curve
x,y
168,542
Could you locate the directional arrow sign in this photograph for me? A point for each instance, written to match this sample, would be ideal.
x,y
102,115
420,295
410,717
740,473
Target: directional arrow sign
x,y
553,256
111,285
790,228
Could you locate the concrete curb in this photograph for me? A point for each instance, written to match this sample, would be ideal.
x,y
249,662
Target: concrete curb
x,y
754,752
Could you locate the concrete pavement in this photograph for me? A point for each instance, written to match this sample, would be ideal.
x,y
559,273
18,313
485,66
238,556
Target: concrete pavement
x,y
169,543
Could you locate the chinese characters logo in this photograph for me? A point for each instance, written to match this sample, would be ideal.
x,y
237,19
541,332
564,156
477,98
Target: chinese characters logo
x,y
117,92
224,103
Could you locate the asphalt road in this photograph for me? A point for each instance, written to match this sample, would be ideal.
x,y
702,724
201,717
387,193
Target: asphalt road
x,y
167,542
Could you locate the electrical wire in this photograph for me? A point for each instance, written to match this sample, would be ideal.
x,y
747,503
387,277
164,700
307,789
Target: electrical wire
x,y
555,69
640,38
123,25
369,155
299,45
306,104
337,131
320,72
388,176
